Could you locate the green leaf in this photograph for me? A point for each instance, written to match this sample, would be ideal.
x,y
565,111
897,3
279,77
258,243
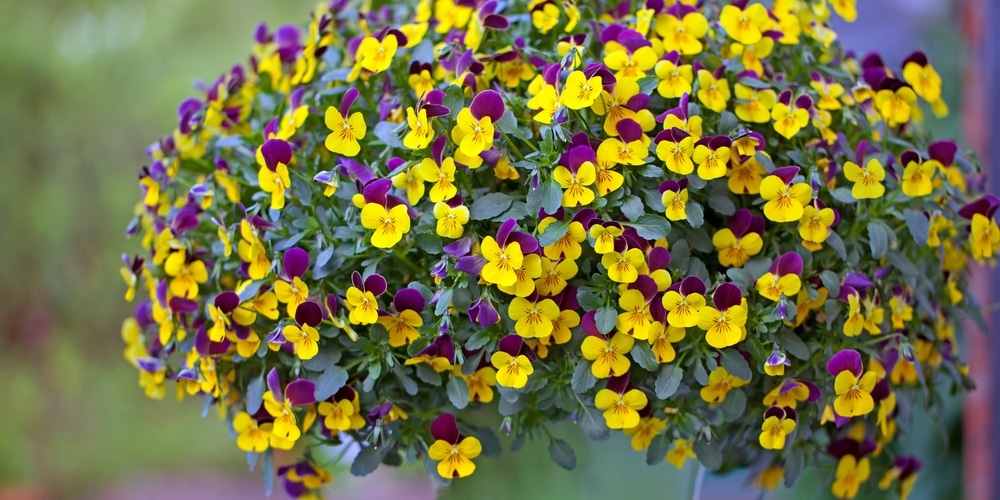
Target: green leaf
x,y
795,461
642,353
831,282
758,266
386,132
651,227
734,405
548,196
267,470
593,424
735,364
255,394
798,158
727,122
562,454
899,260
651,171
427,375
843,195
632,207
657,450
793,344
668,381
753,83
648,84
583,378
477,340
366,462
756,349
680,256
695,214
837,244
458,392
429,242
918,225
454,99
700,374
553,232
489,441
708,454
741,278
507,123
489,206
878,239
332,379
764,161
409,385
443,302
589,298
606,317
721,204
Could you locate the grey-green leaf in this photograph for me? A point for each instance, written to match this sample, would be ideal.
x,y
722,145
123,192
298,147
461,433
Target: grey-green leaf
x,y
458,392
735,364
489,206
668,380
562,454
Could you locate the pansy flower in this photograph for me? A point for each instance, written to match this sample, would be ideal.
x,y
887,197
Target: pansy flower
x,y
744,23
362,298
784,278
725,321
852,385
504,254
302,479
853,466
815,224
623,267
439,171
895,101
604,234
512,361
608,355
791,116
473,131
421,131
219,312
635,301
674,197
303,334
451,218
345,131
662,339
631,63
785,200
711,154
440,354
185,273
720,382
713,90
387,216
753,105
917,175
342,412
452,451
682,28
290,289
790,392
480,383
280,403
684,302
904,469
275,155
621,402
675,148
568,246
746,174
683,450
675,77
867,180
778,424
577,178
402,326
533,316
740,239
984,236
613,105
251,247
643,434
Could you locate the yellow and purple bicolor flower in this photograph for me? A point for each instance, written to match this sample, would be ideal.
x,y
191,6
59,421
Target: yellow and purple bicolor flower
x,y
778,425
785,199
904,469
474,129
440,354
220,312
345,129
280,403
853,465
984,235
275,156
483,313
621,402
791,116
303,335
684,301
290,289
776,362
674,196
725,320
453,451
403,321
505,254
303,479
783,280
740,239
512,361
341,412
361,298
853,386
636,303
386,215
609,355
791,391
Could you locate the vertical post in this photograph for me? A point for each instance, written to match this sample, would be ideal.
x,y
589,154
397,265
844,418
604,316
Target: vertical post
x,y
981,111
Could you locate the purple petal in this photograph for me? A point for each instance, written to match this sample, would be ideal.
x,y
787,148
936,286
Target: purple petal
x,y
528,242
375,284
496,22
376,191
943,151
227,301
445,428
470,264
727,295
487,103
379,412
274,385
360,171
460,247
629,130
583,216
504,231
774,411
857,281
511,344
309,313
645,285
296,262
182,305
445,348
357,281
348,101
659,258
331,305
301,392
409,299
692,284
588,323
814,392
848,359
786,174
789,263
580,155
618,384
987,205
739,222
276,151
484,313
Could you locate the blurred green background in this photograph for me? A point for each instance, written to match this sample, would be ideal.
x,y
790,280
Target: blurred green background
x,y
86,86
